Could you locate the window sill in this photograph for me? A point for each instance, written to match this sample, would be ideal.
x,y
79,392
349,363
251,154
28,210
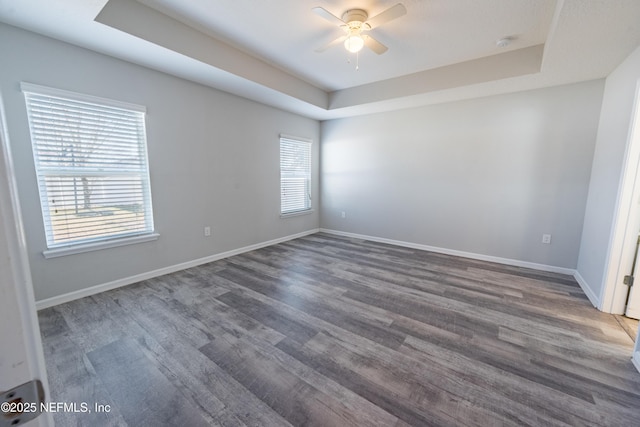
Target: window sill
x,y
297,213
89,247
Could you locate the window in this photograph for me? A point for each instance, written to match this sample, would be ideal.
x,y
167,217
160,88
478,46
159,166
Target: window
x,y
91,164
295,175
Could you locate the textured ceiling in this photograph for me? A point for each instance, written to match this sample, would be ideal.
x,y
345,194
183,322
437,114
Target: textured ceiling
x,y
441,50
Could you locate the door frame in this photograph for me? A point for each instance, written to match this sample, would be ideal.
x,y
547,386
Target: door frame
x,y
626,225
22,360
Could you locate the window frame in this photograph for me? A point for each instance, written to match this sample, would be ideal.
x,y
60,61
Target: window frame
x,y
308,144
114,238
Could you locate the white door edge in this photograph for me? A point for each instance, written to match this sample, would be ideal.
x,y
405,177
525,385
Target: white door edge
x,y
23,359
626,221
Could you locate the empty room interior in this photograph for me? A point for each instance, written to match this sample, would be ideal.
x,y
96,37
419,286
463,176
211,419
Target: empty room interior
x,y
335,213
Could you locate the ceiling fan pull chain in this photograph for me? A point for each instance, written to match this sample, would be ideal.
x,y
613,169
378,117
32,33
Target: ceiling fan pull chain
x,y
357,61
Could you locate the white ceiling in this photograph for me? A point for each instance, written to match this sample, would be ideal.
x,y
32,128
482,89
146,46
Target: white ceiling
x,y
432,33
441,50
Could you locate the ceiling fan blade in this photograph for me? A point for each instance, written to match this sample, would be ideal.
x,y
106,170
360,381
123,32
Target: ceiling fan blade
x,y
324,13
332,44
388,15
374,44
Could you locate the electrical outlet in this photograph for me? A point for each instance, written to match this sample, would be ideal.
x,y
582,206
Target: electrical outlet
x,y
344,214
207,231
546,239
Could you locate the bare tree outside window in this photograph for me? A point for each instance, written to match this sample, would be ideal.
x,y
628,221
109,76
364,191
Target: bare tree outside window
x,y
92,168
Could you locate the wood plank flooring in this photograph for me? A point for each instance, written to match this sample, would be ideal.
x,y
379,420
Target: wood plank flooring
x,y
332,331
630,326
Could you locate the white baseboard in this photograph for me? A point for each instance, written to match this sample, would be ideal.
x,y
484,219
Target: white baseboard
x,y
471,255
593,298
81,293
636,360
61,299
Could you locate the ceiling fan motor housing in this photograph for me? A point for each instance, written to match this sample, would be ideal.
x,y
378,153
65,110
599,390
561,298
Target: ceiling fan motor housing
x,y
358,16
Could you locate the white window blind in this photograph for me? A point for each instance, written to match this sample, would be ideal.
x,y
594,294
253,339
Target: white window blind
x,y
91,164
295,175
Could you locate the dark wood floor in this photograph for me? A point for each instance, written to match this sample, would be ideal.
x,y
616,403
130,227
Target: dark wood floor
x,y
331,331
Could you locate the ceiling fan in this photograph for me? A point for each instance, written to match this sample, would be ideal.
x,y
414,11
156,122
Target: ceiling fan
x,y
356,23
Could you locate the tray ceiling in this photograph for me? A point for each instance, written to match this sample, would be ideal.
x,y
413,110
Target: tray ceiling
x,y
441,50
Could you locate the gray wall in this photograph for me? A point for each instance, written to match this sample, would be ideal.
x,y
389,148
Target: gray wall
x,y
487,176
213,161
612,138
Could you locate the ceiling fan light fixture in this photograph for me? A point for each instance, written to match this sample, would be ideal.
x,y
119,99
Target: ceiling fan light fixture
x,y
354,43
356,21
